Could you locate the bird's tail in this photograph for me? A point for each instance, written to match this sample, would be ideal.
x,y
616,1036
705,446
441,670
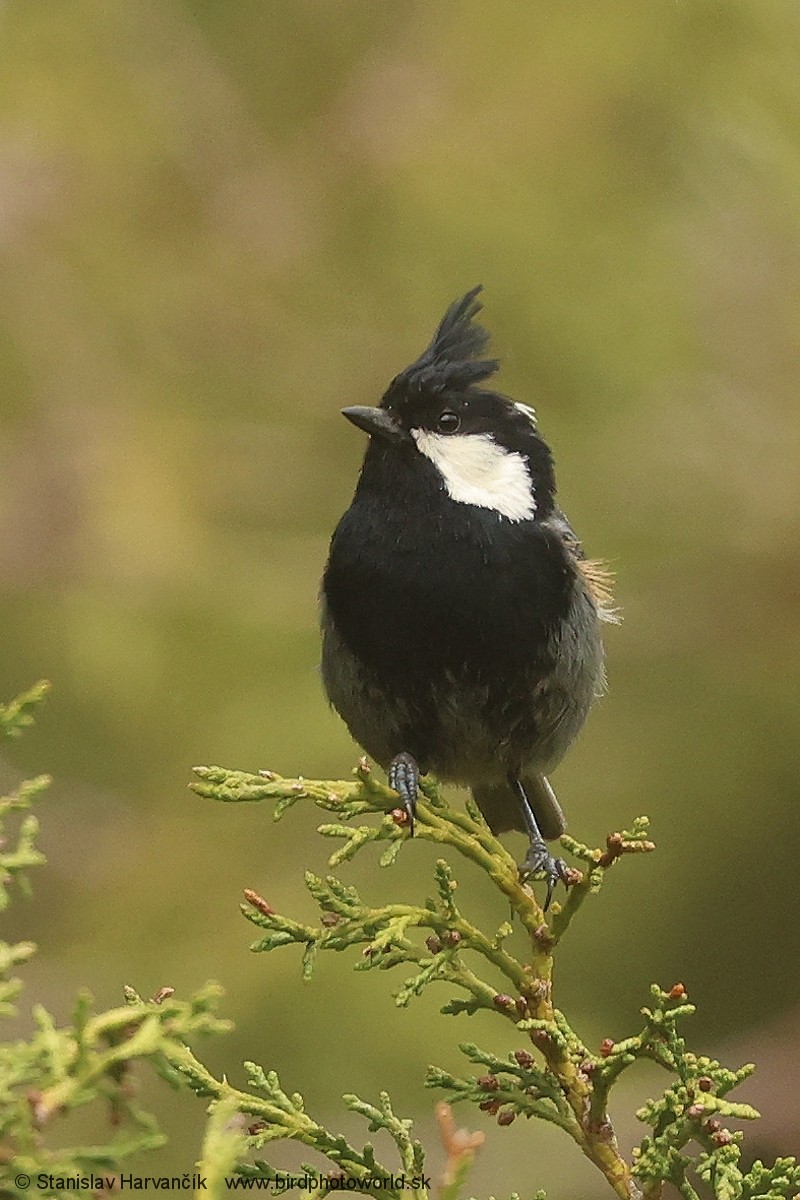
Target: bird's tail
x,y
500,807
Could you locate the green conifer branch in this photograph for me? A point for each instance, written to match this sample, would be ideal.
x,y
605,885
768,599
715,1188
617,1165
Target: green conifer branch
x,y
17,860
275,1115
19,713
224,1145
558,1079
553,1076
384,932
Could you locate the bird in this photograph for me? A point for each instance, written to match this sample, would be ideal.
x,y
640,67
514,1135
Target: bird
x,y
461,619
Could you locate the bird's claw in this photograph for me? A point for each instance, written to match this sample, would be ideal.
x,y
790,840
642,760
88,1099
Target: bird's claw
x,y
539,861
404,774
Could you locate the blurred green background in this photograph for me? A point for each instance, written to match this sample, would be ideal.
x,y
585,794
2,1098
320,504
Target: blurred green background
x,y
219,223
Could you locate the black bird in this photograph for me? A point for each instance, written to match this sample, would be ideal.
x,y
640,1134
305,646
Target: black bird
x,y
460,618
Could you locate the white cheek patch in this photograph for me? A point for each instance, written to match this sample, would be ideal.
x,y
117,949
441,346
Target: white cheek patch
x,y
477,471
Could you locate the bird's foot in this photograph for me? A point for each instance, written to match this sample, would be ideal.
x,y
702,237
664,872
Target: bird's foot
x,y
404,776
539,861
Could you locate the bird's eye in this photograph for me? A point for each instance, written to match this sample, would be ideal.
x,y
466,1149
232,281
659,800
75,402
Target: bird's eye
x,y
448,422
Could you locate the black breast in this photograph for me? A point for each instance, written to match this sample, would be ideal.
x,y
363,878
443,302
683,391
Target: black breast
x,y
422,588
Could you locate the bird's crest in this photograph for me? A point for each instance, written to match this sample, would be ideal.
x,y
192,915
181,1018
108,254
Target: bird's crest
x,y
451,362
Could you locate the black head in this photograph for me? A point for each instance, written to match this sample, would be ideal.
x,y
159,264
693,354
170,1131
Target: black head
x,y
485,447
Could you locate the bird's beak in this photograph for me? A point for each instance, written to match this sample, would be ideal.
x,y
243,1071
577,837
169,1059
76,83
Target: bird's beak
x,y
377,422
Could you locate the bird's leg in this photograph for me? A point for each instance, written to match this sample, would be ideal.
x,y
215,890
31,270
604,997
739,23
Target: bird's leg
x,y
404,776
538,859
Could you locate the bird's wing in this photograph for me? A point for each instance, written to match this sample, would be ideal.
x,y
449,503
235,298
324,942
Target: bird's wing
x,y
597,575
